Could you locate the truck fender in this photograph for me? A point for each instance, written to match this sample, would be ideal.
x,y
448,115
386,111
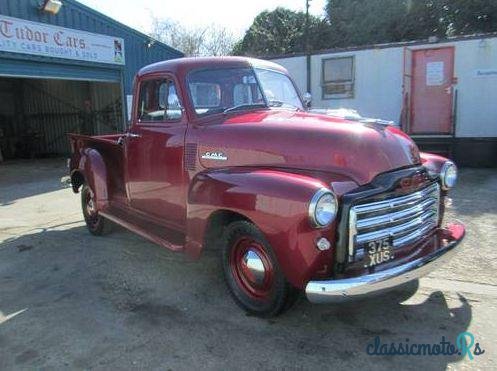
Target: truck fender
x,y
276,201
92,167
432,162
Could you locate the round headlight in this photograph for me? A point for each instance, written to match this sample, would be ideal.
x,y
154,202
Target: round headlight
x,y
448,175
323,208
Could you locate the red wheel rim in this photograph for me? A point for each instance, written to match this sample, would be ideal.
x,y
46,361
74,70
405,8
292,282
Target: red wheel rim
x,y
251,268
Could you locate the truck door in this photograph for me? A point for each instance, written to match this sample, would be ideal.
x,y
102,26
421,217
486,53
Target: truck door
x,y
154,152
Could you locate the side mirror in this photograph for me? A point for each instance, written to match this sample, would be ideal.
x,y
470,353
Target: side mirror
x,y
307,99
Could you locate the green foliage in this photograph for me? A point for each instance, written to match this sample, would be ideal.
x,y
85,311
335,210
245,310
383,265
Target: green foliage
x,y
282,31
362,22
359,22
470,16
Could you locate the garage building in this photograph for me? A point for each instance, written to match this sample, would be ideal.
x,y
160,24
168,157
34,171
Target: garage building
x,y
65,70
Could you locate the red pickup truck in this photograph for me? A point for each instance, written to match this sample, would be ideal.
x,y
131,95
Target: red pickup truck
x,y
222,153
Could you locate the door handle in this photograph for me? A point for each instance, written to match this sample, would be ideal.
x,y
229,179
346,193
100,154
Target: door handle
x,y
131,135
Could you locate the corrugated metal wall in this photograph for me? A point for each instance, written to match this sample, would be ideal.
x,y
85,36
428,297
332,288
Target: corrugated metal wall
x,y
36,115
77,16
106,107
51,108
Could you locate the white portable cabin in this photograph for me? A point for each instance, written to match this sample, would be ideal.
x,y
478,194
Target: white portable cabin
x,y
442,93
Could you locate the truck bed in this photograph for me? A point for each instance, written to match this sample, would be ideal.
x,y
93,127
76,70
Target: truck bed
x,y
112,153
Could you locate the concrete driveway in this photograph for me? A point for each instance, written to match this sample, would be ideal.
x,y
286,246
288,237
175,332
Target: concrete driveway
x,y
71,300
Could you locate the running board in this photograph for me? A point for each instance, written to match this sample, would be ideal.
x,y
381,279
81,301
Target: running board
x,y
141,232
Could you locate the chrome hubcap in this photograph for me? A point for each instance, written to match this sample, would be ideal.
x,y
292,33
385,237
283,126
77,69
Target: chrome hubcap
x,y
255,267
252,268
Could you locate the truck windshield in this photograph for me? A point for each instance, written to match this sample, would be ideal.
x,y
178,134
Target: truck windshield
x,y
230,89
278,89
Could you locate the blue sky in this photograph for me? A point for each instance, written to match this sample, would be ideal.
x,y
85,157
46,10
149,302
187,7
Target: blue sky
x,y
235,15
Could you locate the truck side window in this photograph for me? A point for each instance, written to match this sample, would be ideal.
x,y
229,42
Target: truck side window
x,y
158,101
173,111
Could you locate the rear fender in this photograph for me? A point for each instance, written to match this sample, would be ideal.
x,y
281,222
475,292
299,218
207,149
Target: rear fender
x,y
92,167
276,202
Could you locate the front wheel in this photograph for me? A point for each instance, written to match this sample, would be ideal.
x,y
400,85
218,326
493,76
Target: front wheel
x,y
252,273
95,223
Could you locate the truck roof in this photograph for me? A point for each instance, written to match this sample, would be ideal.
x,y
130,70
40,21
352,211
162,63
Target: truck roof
x,y
181,66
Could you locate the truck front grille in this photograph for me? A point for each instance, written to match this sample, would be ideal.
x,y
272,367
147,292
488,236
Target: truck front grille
x,y
406,219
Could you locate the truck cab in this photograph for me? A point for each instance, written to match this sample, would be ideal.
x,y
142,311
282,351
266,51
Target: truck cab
x,y
223,154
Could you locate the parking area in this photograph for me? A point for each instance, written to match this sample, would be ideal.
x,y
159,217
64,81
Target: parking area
x,y
72,300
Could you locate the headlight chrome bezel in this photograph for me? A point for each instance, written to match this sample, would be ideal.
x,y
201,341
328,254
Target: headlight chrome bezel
x,y
443,175
313,219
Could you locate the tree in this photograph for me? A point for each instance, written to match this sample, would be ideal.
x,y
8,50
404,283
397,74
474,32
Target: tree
x,y
470,16
219,41
199,41
282,31
360,22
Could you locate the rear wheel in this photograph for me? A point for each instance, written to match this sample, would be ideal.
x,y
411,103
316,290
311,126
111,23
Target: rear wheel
x,y
252,272
95,223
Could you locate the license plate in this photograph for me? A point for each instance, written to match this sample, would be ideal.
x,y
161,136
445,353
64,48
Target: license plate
x,y
379,251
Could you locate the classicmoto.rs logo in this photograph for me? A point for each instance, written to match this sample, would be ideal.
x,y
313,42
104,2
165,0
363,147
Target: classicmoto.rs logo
x,y
465,346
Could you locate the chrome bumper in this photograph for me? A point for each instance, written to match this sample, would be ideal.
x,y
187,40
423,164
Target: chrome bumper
x,y
340,290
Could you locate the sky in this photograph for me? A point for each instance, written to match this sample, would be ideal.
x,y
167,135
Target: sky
x,y
235,15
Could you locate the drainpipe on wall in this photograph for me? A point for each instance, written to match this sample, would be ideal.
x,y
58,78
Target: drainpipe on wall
x,y
308,72
307,49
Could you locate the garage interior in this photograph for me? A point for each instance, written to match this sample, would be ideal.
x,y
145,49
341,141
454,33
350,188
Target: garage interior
x,y
37,114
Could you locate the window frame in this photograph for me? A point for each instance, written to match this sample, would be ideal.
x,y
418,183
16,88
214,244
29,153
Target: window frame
x,y
336,96
161,78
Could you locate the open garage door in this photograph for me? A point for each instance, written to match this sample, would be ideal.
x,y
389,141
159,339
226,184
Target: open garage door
x,y
37,114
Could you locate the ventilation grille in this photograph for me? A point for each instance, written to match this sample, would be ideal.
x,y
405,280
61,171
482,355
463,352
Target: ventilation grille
x,y
190,156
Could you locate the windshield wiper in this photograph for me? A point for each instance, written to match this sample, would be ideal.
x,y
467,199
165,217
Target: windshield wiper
x,y
275,103
246,105
279,103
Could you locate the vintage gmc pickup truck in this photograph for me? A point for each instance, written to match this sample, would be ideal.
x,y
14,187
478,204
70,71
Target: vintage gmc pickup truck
x,y
222,153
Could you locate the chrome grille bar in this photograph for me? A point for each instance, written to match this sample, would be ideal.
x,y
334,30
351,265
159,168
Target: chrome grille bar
x,y
395,231
406,214
396,202
406,218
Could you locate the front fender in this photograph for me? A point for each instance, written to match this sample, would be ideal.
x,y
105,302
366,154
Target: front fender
x,y
277,203
432,162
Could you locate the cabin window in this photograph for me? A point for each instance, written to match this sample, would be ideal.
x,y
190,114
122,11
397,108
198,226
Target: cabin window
x,y
338,78
205,94
158,101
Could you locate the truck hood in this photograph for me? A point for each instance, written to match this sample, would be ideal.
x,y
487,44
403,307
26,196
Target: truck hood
x,y
305,141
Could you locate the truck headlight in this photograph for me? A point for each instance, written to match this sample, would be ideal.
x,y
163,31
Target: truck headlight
x,y
448,175
323,208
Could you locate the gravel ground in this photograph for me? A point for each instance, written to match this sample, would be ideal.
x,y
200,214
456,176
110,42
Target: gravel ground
x,y
71,300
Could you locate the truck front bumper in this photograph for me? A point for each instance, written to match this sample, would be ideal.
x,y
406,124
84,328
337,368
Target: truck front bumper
x,y
333,291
